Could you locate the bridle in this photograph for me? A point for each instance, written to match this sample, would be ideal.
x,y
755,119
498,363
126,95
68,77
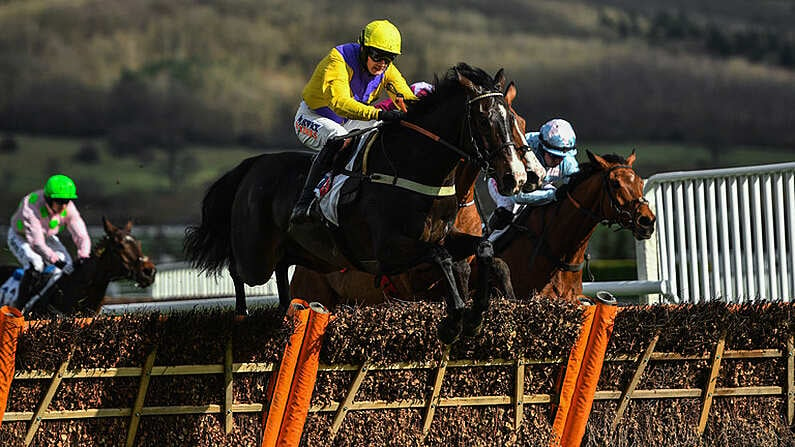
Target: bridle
x,y
622,216
481,159
132,263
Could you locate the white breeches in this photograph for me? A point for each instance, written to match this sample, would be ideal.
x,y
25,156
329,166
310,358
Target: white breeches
x,y
27,256
313,130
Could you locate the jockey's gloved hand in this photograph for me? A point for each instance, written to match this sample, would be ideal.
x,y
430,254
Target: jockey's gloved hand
x,y
550,192
391,115
60,264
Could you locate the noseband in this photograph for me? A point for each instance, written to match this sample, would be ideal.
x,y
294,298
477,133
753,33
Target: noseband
x,y
481,160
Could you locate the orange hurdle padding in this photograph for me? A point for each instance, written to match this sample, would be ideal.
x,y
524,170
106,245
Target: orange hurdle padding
x,y
305,375
591,369
571,373
11,322
282,381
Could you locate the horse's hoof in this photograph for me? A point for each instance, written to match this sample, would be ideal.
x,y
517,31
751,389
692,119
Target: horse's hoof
x,y
240,316
449,331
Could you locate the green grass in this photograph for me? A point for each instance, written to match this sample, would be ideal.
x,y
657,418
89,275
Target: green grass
x,y
39,157
613,270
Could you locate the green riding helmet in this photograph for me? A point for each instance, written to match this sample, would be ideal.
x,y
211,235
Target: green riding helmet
x,y
60,186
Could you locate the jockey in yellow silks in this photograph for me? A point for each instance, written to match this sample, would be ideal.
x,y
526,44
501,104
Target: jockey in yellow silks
x,y
338,98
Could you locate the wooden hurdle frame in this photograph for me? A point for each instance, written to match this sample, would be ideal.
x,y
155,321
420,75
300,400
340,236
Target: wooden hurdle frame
x,y
518,399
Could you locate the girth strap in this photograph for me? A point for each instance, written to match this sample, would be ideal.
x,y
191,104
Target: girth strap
x,y
386,179
428,190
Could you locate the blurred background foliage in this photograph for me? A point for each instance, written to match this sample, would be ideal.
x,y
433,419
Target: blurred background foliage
x,y
145,102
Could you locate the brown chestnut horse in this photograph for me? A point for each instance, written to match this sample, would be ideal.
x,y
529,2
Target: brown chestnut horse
x,y
422,282
117,255
545,246
392,223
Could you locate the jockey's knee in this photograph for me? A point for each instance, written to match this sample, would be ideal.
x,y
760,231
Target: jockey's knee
x,y
36,264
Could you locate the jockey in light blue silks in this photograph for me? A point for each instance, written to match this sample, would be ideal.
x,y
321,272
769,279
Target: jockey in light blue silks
x,y
555,145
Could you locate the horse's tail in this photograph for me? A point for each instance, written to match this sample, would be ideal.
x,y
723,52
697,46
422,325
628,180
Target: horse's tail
x,y
207,246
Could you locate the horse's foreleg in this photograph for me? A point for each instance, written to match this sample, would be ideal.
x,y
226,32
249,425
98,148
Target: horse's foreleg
x,y
473,318
240,291
283,286
450,327
502,278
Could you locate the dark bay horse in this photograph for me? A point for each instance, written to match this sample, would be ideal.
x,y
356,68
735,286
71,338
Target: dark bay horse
x,y
545,246
390,225
421,282
352,286
117,255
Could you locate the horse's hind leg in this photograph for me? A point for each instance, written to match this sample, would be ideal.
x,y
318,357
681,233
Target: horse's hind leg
x,y
283,286
473,317
450,327
240,291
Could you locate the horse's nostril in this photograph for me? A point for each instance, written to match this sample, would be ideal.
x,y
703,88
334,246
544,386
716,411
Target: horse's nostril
x,y
645,221
532,177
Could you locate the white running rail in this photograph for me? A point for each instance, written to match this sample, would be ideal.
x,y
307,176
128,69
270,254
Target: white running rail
x,y
725,234
179,280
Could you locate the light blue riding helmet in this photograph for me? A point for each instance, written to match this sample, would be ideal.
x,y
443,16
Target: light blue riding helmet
x,y
557,137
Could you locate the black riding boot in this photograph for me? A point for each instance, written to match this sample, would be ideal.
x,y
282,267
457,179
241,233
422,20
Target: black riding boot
x,y
320,165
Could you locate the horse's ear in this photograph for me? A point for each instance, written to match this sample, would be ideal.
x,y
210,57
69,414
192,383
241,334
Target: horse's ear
x,y
109,228
463,80
631,158
597,160
510,93
499,79
128,227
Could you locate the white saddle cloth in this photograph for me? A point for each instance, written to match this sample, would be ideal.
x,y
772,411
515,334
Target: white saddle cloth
x,y
328,203
9,290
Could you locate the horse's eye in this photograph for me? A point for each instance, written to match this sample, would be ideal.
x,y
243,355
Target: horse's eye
x,y
615,183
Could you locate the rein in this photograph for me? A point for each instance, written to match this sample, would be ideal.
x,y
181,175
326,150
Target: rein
x,y
431,190
435,138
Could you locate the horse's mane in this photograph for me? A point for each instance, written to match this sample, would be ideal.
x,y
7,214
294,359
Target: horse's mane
x,y
448,86
587,169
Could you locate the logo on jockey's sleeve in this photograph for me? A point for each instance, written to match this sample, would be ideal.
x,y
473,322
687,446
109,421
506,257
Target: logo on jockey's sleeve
x,y
306,127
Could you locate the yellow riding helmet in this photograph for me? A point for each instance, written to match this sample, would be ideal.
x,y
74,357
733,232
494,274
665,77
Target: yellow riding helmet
x,y
381,34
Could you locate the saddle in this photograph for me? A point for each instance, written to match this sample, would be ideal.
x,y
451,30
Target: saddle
x,y
341,186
